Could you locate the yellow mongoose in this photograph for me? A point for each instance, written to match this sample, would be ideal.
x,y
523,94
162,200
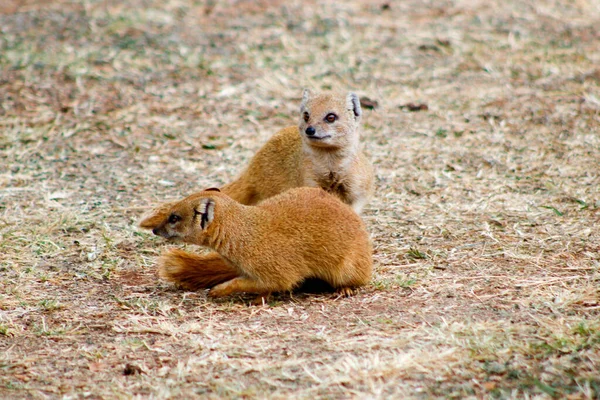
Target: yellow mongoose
x,y
323,151
271,247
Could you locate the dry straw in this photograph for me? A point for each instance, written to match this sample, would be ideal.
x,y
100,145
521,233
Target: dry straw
x,y
485,223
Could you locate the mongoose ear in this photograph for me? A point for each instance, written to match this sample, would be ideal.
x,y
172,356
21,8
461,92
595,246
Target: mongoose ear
x,y
212,190
305,96
150,221
353,104
206,210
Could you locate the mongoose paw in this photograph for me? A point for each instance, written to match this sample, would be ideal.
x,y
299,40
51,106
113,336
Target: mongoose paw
x,y
221,290
345,292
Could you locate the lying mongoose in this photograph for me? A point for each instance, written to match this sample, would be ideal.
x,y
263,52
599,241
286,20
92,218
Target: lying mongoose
x,y
271,247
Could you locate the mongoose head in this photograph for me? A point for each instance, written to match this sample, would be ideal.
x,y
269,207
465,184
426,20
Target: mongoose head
x,y
330,120
184,220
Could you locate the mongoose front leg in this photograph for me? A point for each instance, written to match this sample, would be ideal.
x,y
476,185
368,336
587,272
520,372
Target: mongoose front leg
x,y
236,285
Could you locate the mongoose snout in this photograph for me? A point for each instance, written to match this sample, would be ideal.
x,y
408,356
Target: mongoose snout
x,y
161,231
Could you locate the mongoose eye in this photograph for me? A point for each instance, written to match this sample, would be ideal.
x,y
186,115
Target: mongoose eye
x,y
331,117
306,116
174,218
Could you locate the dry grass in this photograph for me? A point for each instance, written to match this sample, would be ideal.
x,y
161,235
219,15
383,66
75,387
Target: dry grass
x,y
485,223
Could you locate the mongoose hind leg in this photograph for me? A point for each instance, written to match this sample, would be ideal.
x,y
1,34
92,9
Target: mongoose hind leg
x,y
237,285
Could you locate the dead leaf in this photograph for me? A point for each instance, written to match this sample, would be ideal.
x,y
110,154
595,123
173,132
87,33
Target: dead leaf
x,y
96,366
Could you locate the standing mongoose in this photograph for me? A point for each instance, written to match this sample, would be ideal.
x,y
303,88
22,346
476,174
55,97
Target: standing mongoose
x,y
271,247
322,151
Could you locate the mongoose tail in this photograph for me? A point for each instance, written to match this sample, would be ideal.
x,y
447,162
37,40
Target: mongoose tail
x,y
194,271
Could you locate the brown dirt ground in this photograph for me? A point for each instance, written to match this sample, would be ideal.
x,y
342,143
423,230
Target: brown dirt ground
x,y
485,222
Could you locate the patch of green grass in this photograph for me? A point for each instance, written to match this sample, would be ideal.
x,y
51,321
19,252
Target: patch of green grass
x,y
45,247
549,390
109,265
401,280
43,330
13,385
146,306
556,211
584,336
381,284
584,205
50,305
415,254
405,282
5,330
441,133
133,343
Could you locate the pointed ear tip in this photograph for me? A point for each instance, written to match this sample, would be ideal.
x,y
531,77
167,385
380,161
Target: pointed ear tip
x,y
150,220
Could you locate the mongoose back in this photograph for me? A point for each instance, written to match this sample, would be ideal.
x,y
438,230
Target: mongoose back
x,y
271,247
322,151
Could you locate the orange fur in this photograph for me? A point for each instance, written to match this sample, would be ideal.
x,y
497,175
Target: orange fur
x,y
194,271
274,246
330,158
288,160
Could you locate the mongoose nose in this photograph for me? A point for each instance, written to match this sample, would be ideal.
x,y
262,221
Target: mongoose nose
x,y
155,231
310,131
